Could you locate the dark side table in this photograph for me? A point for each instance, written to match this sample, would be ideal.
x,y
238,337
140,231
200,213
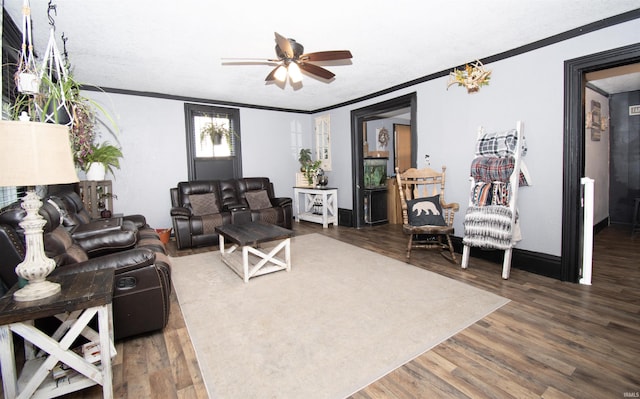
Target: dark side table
x,y
83,296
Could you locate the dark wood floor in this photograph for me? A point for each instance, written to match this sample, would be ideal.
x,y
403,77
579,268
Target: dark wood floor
x,y
553,340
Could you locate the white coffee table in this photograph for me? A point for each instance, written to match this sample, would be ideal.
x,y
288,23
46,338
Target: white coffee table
x,y
248,236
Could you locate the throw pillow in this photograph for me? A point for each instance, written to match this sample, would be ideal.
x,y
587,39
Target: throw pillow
x,y
258,199
425,211
203,204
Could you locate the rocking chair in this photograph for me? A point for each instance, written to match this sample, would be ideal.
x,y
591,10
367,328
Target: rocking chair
x,y
426,217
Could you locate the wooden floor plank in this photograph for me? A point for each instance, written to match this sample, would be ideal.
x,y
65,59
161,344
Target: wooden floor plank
x,y
554,340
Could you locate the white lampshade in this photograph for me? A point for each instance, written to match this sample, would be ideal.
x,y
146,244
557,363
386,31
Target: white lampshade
x,y
294,73
35,153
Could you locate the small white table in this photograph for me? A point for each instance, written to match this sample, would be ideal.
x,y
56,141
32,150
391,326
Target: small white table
x,y
318,205
83,296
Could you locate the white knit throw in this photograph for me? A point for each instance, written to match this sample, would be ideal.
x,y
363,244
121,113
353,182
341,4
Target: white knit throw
x,y
488,227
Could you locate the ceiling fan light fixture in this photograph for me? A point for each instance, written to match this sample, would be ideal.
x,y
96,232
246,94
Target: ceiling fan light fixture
x,y
281,73
294,73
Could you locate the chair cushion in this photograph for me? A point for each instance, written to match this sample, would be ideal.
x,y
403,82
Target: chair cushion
x,y
258,199
203,204
425,211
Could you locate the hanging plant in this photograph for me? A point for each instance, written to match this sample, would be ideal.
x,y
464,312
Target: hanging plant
x,y
216,132
57,87
26,77
472,77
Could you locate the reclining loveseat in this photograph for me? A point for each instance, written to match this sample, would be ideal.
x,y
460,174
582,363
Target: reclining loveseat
x,y
198,207
142,283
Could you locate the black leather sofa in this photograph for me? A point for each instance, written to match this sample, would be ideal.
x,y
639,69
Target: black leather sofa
x,y
199,206
142,283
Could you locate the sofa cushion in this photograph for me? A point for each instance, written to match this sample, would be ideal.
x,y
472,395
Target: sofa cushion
x,y
258,199
203,204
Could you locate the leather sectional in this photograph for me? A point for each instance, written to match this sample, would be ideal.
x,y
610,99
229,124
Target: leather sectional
x,y
142,283
199,206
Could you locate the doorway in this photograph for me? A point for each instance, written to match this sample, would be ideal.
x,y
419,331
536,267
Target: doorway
x,y
359,118
574,149
402,146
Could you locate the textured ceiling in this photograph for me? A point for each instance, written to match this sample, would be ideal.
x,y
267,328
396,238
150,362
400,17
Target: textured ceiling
x,y
175,48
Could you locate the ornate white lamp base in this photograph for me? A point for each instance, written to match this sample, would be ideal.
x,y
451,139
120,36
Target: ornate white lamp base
x,y
34,291
36,266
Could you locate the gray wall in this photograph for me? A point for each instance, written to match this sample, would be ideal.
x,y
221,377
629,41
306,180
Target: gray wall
x,y
528,87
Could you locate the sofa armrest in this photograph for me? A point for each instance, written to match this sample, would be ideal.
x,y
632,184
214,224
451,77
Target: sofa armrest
x,y
122,262
181,211
103,242
281,201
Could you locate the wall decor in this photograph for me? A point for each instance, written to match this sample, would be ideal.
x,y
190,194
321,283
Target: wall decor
x,y
383,138
472,77
594,117
323,141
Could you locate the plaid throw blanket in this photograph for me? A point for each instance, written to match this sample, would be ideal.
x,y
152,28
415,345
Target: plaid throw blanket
x,y
499,144
491,169
488,169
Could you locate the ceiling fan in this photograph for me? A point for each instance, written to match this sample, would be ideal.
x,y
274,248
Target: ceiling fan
x,y
292,59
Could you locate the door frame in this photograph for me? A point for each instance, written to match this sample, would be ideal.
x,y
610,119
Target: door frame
x,y
358,117
574,148
235,160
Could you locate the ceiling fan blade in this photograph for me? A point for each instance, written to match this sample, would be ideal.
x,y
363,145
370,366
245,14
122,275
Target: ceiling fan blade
x,y
284,45
316,70
272,75
327,55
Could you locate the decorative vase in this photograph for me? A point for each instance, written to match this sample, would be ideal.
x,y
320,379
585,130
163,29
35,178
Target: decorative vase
x,y
96,171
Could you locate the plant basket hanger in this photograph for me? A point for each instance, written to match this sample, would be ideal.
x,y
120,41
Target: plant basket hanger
x,y
54,71
27,78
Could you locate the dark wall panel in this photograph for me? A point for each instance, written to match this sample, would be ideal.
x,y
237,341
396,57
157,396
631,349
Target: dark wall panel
x,y
625,156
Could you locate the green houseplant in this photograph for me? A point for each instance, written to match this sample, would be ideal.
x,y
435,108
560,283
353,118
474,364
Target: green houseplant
x,y
216,132
104,154
78,111
307,166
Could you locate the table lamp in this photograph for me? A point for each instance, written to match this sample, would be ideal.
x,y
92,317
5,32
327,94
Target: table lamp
x,y
35,154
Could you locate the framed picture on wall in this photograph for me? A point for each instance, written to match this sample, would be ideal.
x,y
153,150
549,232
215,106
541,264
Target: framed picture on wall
x,y
382,139
595,117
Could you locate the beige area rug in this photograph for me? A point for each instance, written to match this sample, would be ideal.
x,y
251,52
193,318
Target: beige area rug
x,y
342,318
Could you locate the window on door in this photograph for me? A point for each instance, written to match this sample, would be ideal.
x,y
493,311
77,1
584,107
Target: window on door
x,y
213,156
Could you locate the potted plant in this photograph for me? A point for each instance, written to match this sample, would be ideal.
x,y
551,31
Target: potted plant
x,y
307,166
216,132
79,113
102,198
102,158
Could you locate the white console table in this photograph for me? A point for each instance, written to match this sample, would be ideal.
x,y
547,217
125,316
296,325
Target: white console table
x,y
318,205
